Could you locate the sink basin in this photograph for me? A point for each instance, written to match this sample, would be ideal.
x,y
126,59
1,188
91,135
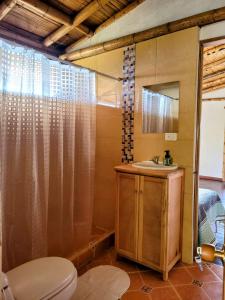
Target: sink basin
x,y
150,165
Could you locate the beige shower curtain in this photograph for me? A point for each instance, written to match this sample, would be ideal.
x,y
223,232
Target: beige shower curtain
x,y
47,156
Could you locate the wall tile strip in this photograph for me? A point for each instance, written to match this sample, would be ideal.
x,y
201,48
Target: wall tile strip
x,y
128,98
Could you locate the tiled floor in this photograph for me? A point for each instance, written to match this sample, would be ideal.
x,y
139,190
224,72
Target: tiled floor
x,y
185,281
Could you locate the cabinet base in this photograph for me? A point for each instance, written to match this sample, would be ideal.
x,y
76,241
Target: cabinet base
x,y
165,272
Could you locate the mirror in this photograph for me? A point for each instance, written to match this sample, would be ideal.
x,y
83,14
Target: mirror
x,y
160,108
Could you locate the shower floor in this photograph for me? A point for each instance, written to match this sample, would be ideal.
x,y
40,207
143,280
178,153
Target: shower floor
x,y
100,240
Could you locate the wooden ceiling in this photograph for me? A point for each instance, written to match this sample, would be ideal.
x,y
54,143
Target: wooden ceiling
x,y
57,26
213,68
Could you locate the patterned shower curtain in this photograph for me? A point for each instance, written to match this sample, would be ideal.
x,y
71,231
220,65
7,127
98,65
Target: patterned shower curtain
x,y
158,114
47,152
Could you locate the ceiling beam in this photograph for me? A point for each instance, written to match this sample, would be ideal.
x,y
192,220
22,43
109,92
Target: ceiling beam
x,y
202,19
213,83
28,39
214,54
105,24
213,67
45,11
214,99
118,15
49,12
5,7
211,89
86,12
211,76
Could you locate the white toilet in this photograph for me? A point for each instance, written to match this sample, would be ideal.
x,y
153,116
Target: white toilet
x,y
44,278
55,278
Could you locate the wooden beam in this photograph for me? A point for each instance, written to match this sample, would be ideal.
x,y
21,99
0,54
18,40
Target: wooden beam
x,y
214,99
214,67
211,89
118,15
213,83
214,54
24,38
5,7
49,12
45,11
86,12
105,24
202,19
212,76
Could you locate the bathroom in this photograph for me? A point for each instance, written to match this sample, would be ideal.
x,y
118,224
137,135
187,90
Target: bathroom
x,y
88,212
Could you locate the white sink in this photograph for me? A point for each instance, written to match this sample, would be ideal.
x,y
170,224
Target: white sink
x,y
149,164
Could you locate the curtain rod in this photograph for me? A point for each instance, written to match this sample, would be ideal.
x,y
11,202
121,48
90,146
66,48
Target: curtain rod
x,y
86,68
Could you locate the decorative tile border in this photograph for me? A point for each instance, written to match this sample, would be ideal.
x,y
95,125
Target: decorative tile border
x,y
128,104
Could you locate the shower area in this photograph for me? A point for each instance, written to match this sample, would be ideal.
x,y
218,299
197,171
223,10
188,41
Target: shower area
x,y
47,154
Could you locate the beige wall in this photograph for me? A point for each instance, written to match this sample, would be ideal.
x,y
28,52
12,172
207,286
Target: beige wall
x,y
108,136
172,57
168,58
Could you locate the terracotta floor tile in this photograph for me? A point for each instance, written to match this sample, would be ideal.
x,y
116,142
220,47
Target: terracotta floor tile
x,y
153,279
205,276
180,264
135,281
167,293
218,270
191,292
180,276
136,295
214,290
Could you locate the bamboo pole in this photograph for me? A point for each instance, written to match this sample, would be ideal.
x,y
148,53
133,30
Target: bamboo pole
x,y
105,24
119,14
45,11
86,12
196,20
214,83
49,12
218,87
214,54
214,99
216,66
6,7
211,76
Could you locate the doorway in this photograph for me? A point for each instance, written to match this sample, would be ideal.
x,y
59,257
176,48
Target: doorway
x,y
210,185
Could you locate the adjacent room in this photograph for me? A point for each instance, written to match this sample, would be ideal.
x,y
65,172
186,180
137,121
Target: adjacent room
x,y
112,156
211,169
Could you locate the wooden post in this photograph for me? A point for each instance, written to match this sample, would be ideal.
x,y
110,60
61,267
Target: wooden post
x,y
5,7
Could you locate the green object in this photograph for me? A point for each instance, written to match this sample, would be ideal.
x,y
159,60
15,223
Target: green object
x,y
168,160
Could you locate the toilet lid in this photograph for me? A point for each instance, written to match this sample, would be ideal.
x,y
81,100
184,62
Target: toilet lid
x,y
41,278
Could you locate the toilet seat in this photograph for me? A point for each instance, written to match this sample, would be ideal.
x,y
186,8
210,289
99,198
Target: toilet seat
x,y
43,278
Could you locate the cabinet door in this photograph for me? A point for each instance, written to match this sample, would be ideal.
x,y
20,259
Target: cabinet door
x,y
127,214
152,202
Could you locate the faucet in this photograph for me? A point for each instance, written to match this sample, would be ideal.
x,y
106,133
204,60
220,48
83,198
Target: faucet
x,y
155,159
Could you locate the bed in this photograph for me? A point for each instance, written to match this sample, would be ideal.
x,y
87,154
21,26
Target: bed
x,y
209,207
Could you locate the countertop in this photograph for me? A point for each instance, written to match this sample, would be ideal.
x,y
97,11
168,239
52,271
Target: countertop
x,y
128,168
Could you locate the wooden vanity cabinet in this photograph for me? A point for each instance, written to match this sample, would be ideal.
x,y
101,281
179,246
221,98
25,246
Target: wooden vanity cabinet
x,y
149,216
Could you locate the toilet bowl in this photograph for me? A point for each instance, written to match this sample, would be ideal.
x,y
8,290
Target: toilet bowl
x,y
44,278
